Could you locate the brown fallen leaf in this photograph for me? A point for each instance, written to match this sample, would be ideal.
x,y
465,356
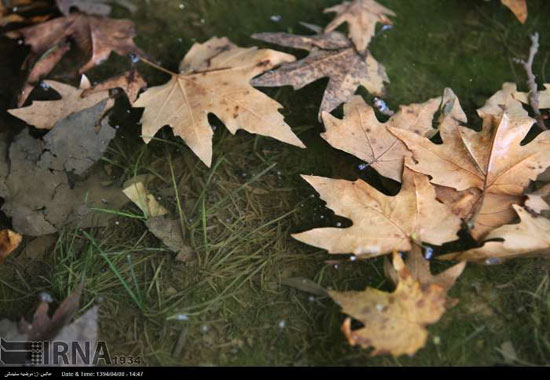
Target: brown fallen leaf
x,y
130,82
331,55
9,241
45,114
518,8
96,36
36,189
169,232
529,237
420,270
489,169
381,223
23,11
394,323
214,78
44,327
362,17
543,97
361,134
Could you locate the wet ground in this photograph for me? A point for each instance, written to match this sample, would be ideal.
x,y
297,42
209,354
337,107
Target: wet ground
x,y
229,306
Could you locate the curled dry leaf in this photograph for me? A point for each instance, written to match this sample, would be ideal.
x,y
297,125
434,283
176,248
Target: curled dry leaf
x,y
44,327
332,56
96,36
214,78
529,237
381,223
45,114
518,8
395,322
361,134
130,82
9,241
135,190
362,17
482,174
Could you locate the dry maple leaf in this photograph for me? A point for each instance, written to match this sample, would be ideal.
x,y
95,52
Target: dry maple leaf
x,y
130,82
381,223
395,322
361,16
489,169
543,97
214,78
96,36
331,55
44,114
361,134
518,8
9,241
529,237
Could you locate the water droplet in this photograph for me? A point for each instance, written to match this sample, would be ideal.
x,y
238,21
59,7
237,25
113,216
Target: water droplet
x,y
428,253
282,324
204,329
181,6
276,18
44,85
338,224
182,317
362,166
353,258
46,297
493,261
380,307
311,298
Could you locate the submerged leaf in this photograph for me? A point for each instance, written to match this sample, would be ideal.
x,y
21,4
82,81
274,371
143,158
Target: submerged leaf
x,y
331,55
395,322
214,78
381,223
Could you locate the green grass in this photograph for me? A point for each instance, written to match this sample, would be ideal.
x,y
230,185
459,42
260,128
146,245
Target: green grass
x,y
228,305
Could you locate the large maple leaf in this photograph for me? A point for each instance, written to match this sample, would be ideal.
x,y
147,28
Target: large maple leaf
x,y
396,322
331,55
518,8
362,17
214,78
489,169
381,223
96,36
361,134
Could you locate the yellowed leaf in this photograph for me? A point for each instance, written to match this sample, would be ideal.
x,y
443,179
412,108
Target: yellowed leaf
x,y
491,166
137,193
394,323
361,134
214,78
9,241
362,17
518,8
44,114
381,223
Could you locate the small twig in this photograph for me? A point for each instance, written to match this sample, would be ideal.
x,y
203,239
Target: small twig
x,y
531,80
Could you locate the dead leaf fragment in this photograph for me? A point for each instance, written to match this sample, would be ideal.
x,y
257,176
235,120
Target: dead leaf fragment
x,y
91,7
518,8
45,328
489,169
362,17
395,322
169,232
9,241
96,36
138,194
361,134
130,82
381,223
529,237
214,78
38,195
332,56
44,114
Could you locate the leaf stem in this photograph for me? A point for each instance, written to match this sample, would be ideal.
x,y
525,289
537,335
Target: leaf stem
x,y
158,67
